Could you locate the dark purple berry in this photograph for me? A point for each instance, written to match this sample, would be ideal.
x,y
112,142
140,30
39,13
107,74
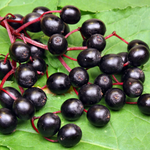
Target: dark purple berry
x,y
48,124
90,94
41,10
133,87
138,55
8,121
16,25
92,26
133,43
96,41
72,109
19,51
135,73
37,96
38,64
52,24
26,75
34,27
115,98
98,115
58,83
144,104
78,76
36,51
4,68
70,14
104,81
111,64
69,135
89,58
23,108
5,99
57,44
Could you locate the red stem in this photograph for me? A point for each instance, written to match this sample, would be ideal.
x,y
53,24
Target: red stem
x,y
6,77
21,89
76,48
11,95
47,73
69,57
131,103
35,20
108,36
85,110
118,83
73,31
114,33
75,90
44,87
126,64
56,112
6,58
12,40
64,63
115,78
32,123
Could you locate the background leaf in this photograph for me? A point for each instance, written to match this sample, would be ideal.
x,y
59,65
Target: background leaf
x,y
128,128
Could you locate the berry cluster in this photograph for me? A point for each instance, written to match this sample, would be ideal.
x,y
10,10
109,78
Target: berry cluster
x,y
27,65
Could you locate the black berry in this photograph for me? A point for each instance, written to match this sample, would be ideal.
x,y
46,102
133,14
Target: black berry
x,y
72,109
98,115
48,124
78,76
69,135
8,121
58,83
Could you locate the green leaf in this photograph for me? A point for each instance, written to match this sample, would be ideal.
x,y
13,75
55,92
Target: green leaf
x,y
101,5
128,128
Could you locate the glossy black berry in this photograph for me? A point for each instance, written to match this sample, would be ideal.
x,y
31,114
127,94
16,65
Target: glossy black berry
x,y
144,104
26,75
69,135
96,41
98,115
92,26
104,81
90,94
8,121
38,64
70,14
89,58
115,98
19,51
5,99
51,24
15,25
66,30
37,96
36,51
133,43
124,56
58,83
84,43
48,124
111,64
23,108
4,68
135,73
133,87
57,44
72,109
138,55
34,27
78,76
41,10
